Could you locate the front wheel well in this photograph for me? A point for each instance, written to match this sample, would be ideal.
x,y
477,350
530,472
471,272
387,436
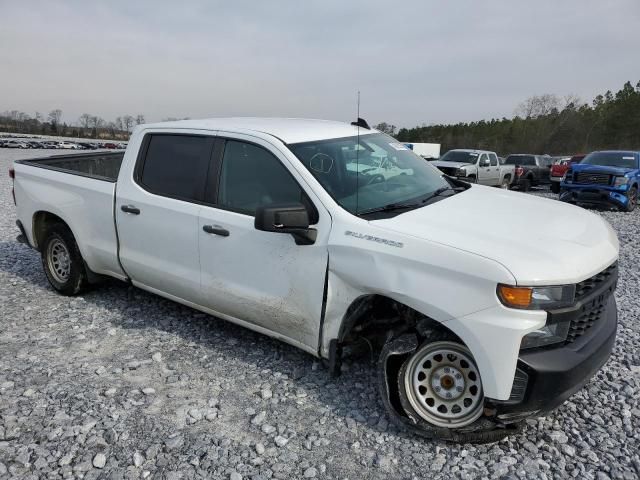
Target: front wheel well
x,y
42,222
372,320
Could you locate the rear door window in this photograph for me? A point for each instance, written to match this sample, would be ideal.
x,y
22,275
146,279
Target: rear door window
x,y
494,159
176,166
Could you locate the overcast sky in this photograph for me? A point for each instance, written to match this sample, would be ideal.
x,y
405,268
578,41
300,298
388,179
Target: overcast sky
x,y
420,61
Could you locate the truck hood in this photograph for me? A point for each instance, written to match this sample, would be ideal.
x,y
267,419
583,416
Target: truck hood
x,y
580,167
438,163
540,241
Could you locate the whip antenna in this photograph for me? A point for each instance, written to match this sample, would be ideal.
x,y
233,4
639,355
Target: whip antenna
x,y
357,152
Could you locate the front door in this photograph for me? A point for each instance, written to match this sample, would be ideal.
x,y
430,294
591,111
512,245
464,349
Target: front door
x,y
484,170
261,278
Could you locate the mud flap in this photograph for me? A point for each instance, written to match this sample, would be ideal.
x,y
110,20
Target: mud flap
x,y
394,353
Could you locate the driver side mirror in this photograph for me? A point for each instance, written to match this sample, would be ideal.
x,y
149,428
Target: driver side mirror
x,y
291,218
484,163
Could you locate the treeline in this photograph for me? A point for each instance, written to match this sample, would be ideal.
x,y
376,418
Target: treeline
x,y
545,124
86,126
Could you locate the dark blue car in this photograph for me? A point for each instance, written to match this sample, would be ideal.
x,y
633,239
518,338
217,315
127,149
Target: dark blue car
x,y
609,178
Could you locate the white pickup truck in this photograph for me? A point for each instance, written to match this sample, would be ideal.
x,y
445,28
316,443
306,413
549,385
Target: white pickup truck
x,y
270,223
476,166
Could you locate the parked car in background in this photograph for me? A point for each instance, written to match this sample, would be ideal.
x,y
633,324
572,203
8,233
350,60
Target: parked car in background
x,y
473,335
476,166
88,145
530,170
110,145
559,168
68,145
16,144
604,178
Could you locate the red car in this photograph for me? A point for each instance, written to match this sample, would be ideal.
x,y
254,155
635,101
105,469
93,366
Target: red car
x,y
559,169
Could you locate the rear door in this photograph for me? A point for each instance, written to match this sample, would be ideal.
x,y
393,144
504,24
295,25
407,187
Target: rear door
x,y
262,279
494,169
157,214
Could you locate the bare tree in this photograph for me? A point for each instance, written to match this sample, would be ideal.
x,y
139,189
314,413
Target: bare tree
x,y
54,119
139,119
538,106
96,124
384,127
572,101
127,122
85,121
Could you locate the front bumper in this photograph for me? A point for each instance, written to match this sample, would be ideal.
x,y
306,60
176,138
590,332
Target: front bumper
x,y
594,195
546,377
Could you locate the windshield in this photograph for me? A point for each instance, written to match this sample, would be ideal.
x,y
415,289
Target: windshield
x,y
520,160
376,172
612,159
459,156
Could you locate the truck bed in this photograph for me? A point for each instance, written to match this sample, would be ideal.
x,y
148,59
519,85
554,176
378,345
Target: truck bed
x,y
101,166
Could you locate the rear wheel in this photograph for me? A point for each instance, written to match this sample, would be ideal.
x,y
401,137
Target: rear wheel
x,y
555,187
440,383
506,181
632,197
62,261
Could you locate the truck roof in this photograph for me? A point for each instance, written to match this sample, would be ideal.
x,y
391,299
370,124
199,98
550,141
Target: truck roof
x,y
472,150
289,130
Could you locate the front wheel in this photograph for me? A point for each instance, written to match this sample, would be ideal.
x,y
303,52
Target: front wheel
x,y
440,383
632,199
62,261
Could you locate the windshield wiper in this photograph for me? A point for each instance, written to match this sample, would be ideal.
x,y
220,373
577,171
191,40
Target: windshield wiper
x,y
390,208
401,206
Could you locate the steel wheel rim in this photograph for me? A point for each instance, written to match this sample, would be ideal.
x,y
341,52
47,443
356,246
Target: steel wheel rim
x,y
443,385
59,261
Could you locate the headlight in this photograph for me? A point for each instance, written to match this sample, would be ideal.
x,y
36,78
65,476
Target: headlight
x,y
461,172
536,298
547,335
566,178
619,181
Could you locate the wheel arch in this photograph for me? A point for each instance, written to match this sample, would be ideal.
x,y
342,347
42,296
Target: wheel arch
x,y
42,222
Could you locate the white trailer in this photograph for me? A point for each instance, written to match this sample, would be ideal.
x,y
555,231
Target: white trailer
x,y
426,150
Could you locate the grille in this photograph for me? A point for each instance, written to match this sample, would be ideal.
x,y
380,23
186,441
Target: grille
x,y
586,178
586,286
449,170
592,311
589,316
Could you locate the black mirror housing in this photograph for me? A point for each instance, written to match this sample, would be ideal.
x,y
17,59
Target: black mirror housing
x,y
292,218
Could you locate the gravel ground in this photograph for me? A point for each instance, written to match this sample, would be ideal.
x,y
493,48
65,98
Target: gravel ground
x,y
119,383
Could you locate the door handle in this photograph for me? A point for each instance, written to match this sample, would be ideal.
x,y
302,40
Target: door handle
x,y
216,230
130,209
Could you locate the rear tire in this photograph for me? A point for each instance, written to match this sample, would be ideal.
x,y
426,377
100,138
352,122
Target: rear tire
x,y
62,261
632,197
506,183
555,187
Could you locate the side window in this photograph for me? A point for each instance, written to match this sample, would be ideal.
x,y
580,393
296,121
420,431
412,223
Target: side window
x,y
251,176
494,159
176,166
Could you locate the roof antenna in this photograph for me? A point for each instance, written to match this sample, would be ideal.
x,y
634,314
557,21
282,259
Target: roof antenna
x,y
357,151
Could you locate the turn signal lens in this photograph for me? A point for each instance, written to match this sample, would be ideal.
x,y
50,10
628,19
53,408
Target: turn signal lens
x,y
518,297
